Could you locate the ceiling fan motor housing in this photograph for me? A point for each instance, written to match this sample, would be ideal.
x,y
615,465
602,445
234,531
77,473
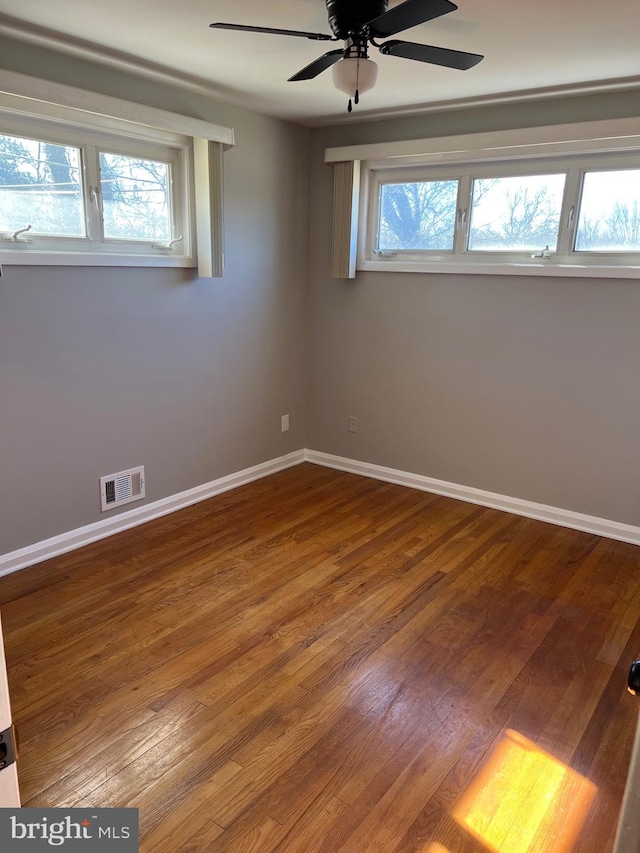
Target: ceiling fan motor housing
x,y
350,16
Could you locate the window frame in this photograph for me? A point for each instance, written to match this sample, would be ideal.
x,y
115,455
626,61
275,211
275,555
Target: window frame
x,y
26,95
48,136
178,195
383,177
94,249
377,173
608,165
352,164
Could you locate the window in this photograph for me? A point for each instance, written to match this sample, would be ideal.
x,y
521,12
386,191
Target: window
x,y
420,215
136,198
92,180
41,185
609,218
78,191
516,214
566,211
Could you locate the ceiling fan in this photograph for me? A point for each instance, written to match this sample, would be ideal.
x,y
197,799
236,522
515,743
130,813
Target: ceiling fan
x,y
360,23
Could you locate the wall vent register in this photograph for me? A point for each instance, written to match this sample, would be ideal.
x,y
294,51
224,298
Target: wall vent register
x,y
122,488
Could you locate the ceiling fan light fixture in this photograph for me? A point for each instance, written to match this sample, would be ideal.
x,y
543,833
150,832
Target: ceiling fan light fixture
x,y
354,74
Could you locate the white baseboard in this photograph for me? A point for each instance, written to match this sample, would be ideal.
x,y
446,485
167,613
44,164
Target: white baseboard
x,y
73,539
541,512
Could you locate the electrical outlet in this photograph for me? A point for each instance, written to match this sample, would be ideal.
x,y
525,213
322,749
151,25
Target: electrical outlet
x,y
353,424
285,423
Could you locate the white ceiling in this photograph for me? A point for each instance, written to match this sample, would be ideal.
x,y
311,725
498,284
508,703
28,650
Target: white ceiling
x,y
528,45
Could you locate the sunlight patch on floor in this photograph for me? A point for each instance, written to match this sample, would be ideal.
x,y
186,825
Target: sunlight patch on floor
x,y
525,800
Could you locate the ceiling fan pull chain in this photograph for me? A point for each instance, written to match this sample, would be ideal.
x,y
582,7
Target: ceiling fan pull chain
x,y
350,106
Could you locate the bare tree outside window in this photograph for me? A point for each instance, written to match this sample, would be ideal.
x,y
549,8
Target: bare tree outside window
x,y
40,185
516,213
609,219
419,216
135,198
15,162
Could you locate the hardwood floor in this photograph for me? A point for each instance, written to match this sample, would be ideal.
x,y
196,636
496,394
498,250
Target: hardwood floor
x,y
322,662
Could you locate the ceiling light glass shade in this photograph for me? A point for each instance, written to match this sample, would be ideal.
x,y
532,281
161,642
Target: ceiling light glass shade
x,y
353,73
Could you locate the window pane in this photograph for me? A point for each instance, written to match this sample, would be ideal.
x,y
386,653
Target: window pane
x,y
419,216
609,218
40,185
135,198
516,214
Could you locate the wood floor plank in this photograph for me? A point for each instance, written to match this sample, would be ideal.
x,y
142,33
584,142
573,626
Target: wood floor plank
x,y
322,662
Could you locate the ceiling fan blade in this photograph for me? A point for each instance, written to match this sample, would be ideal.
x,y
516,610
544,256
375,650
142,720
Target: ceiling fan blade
x,y
274,31
434,55
408,14
318,66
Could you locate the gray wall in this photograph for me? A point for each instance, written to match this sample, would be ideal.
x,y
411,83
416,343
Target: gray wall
x,y
519,385
103,369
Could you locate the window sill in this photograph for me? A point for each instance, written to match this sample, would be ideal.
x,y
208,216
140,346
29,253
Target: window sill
x,y
511,268
92,259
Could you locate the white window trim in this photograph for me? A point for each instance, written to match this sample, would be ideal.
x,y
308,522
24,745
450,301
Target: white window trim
x,y
516,146
58,96
25,97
